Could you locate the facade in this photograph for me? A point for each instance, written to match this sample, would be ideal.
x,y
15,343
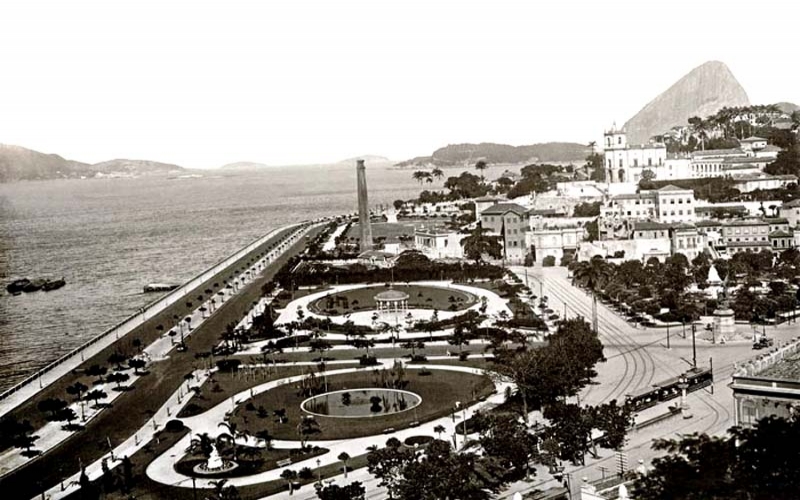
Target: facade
x,y
791,212
750,235
555,241
510,222
667,205
439,244
767,386
485,202
625,163
753,182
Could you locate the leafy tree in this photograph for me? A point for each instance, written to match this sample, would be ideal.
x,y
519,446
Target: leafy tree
x,y
290,476
118,378
758,463
96,395
387,465
137,364
507,439
117,359
77,389
440,473
352,491
478,244
52,406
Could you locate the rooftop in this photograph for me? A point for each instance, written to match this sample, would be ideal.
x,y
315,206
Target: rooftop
x,y
501,208
780,234
748,222
777,220
788,368
672,187
753,139
649,226
718,152
708,223
392,295
792,204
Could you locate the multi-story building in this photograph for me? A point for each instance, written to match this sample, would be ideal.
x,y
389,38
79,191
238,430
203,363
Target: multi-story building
x,y
791,212
624,162
751,182
555,241
749,235
668,205
683,238
510,222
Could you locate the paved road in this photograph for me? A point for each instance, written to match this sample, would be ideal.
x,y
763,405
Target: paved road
x,y
637,358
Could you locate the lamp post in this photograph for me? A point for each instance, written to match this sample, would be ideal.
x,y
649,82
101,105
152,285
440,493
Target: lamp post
x,y
694,348
682,385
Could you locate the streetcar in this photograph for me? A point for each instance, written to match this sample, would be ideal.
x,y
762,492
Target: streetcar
x,y
696,379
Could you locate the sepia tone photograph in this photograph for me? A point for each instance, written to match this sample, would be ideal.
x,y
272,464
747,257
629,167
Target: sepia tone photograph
x,y
417,250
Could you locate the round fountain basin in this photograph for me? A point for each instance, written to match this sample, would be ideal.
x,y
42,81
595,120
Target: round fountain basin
x,y
204,470
359,403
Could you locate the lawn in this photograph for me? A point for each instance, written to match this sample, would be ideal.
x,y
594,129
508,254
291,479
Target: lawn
x,y
440,390
419,297
383,230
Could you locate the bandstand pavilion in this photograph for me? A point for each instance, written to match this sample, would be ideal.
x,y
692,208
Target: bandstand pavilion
x,y
391,303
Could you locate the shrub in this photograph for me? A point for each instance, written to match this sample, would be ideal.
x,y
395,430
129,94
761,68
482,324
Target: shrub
x,y
250,406
367,360
419,358
173,425
549,261
305,473
424,372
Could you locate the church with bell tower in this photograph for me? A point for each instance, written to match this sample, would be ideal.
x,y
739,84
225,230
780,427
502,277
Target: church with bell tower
x,y
625,163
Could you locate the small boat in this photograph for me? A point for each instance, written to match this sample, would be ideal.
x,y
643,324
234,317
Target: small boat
x,y
159,287
53,285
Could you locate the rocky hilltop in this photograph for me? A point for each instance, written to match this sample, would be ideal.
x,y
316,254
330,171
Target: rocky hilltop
x,y
704,91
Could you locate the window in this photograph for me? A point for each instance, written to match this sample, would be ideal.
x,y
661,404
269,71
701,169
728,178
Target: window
x,y
620,162
649,162
619,140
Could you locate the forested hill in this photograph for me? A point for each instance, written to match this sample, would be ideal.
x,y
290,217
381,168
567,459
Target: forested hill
x,y
468,154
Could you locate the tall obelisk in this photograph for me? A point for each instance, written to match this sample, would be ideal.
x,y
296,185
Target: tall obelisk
x,y
363,207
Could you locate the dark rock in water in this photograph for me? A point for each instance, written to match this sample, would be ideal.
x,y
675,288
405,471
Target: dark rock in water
x,y
15,287
34,285
53,285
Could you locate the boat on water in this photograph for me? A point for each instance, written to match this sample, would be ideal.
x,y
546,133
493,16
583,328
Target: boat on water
x,y
159,287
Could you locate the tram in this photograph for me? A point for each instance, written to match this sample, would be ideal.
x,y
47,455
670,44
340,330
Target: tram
x,y
696,379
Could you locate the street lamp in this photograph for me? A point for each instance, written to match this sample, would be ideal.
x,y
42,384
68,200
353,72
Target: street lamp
x,y
682,385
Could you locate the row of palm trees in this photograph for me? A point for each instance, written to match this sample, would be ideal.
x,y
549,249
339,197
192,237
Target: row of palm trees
x,y
423,176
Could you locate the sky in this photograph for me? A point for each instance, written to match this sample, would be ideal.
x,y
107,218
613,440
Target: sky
x,y
205,83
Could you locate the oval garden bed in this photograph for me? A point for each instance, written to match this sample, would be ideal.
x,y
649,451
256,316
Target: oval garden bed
x,y
419,297
438,391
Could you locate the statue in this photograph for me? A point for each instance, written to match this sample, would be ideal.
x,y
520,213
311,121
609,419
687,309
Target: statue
x,y
724,297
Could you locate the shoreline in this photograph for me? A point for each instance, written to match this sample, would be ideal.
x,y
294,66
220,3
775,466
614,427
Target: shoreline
x,y
38,381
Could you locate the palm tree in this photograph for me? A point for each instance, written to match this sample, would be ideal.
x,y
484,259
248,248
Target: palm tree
x,y
201,443
344,457
437,172
480,166
420,176
439,429
593,274
479,243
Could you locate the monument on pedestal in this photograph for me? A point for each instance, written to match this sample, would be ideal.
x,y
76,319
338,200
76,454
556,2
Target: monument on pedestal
x,y
363,207
724,323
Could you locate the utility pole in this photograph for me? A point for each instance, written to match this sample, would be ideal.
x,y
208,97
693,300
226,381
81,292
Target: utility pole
x,y
694,348
667,336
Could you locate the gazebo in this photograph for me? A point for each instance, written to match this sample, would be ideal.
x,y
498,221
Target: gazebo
x,y
391,303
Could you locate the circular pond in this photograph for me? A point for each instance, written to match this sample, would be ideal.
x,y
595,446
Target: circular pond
x,y
359,403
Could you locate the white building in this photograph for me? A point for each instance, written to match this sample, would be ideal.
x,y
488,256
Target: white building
x,y
669,204
555,241
752,182
625,163
439,243
791,212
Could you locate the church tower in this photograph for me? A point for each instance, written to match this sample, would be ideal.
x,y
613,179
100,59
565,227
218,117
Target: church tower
x,y
615,144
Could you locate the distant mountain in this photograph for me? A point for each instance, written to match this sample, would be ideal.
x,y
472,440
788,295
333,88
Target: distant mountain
x,y
787,107
18,163
468,154
21,164
704,91
134,166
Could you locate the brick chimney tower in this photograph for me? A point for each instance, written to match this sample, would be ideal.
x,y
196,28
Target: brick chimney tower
x,y
363,207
